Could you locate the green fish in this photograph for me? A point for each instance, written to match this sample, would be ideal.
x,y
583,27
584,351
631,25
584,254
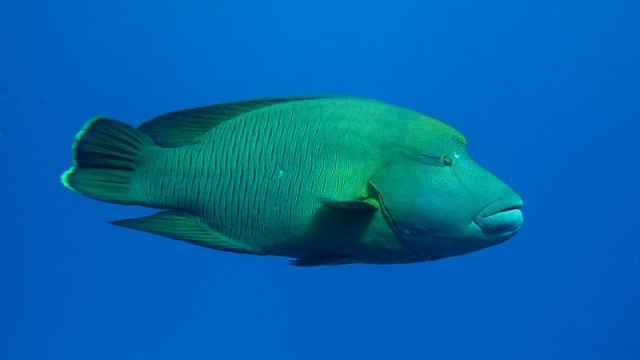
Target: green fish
x,y
324,180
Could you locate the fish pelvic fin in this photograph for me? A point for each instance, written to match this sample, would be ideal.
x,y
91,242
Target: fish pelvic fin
x,y
104,154
365,206
319,260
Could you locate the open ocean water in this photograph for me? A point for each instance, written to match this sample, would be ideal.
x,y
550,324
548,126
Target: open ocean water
x,y
547,94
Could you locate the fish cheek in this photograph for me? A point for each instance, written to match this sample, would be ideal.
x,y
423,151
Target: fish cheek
x,y
399,194
419,200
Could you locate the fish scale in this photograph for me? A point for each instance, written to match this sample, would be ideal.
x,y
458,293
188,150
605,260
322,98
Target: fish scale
x,y
322,179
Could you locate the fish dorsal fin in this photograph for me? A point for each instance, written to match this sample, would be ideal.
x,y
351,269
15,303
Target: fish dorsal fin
x,y
185,227
186,127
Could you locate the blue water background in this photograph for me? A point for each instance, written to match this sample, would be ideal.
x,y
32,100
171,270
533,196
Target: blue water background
x,y
547,94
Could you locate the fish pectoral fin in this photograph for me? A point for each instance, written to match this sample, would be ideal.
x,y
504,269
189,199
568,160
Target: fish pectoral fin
x,y
185,227
365,206
317,260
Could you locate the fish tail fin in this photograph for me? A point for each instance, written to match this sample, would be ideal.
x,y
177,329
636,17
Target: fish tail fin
x,y
104,154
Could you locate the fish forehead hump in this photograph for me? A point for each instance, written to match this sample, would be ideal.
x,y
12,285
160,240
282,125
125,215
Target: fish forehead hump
x,y
267,167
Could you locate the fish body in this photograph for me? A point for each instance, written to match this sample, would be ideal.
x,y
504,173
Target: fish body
x,y
323,180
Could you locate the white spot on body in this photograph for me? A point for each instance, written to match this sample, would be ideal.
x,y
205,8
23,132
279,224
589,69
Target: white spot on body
x,y
277,174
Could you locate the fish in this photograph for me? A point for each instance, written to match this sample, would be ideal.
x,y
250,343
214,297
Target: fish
x,y
322,180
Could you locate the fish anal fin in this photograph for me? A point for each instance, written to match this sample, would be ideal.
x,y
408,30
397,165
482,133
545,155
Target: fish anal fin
x,y
185,227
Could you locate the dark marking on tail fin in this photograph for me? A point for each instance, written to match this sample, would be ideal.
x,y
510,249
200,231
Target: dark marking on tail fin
x,y
104,154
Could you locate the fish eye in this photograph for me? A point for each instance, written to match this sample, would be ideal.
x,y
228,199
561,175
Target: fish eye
x,y
447,160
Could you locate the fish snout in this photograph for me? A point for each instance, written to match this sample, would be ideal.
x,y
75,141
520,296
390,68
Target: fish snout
x,y
501,216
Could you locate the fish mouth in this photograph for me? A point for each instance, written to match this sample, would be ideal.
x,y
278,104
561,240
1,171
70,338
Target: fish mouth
x,y
501,216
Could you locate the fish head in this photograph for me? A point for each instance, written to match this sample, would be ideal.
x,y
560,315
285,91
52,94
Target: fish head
x,y
438,201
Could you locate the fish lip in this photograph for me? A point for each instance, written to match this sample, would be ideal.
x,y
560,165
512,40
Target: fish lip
x,y
502,216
